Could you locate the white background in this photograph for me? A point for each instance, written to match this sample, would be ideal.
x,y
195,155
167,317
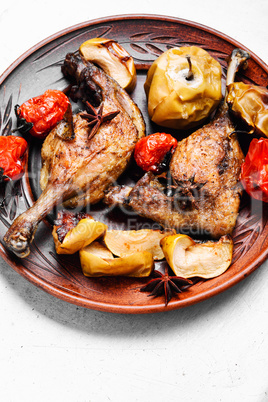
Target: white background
x,y
54,351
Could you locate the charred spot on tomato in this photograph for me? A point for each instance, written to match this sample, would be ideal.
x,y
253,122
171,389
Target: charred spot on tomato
x,y
164,164
23,126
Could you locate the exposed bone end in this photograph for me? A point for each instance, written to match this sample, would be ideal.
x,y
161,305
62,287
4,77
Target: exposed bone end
x,y
17,245
237,60
18,238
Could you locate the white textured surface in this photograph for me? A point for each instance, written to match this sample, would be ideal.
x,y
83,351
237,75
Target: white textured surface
x,y
53,351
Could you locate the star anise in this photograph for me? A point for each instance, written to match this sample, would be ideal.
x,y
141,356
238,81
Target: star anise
x,y
187,192
96,117
163,284
190,187
183,193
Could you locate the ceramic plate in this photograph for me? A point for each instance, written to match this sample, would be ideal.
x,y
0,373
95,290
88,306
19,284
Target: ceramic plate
x,y
145,37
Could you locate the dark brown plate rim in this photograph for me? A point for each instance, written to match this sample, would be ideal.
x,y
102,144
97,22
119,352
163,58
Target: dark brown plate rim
x,y
82,301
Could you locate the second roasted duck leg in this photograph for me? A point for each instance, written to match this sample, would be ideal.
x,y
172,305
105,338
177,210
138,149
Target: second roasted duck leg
x,y
204,169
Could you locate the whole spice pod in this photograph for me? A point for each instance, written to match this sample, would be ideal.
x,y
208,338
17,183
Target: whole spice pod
x,y
250,104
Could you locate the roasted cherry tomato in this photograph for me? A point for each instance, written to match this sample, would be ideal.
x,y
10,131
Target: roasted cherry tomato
x,y
254,170
150,151
12,160
42,113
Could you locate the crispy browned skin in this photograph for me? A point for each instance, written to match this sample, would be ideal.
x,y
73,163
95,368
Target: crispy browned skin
x,y
66,221
205,171
78,171
212,158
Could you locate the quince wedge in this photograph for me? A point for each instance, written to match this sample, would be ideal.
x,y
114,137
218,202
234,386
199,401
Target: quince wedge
x,y
96,260
113,59
85,232
188,258
125,242
250,104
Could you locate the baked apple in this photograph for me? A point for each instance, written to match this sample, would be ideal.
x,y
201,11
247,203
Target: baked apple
x,y
183,87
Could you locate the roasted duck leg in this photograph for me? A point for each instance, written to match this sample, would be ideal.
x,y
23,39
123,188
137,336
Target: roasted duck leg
x,y
204,169
78,171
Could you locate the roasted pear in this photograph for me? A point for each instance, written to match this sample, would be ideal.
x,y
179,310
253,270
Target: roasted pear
x,y
188,258
96,260
85,232
125,242
183,87
249,103
113,59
